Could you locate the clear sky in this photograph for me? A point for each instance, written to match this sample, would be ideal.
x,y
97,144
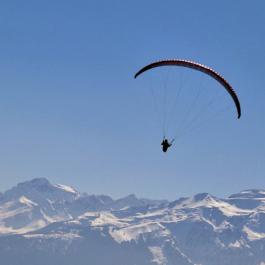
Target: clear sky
x,y
70,109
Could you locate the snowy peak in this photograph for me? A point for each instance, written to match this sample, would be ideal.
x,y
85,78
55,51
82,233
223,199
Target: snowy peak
x,y
42,185
126,202
249,194
39,184
34,204
198,200
40,189
131,201
203,197
248,199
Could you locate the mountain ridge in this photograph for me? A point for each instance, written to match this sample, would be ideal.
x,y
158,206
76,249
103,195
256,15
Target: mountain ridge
x,y
37,217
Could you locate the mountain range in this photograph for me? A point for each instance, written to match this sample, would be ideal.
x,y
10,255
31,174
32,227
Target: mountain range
x,y
43,223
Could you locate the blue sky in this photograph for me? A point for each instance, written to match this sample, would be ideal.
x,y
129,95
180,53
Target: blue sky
x,y
71,111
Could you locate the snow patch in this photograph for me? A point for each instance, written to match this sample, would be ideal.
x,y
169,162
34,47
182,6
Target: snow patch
x,y
26,201
63,236
29,228
253,235
158,255
236,244
66,188
106,218
133,232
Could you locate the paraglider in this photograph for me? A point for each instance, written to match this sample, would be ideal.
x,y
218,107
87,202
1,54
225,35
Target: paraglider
x,y
200,68
165,144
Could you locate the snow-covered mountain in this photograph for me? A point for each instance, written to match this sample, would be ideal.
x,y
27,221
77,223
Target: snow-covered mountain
x,y
42,223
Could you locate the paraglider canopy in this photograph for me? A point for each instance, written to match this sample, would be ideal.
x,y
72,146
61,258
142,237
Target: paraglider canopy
x,y
199,67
